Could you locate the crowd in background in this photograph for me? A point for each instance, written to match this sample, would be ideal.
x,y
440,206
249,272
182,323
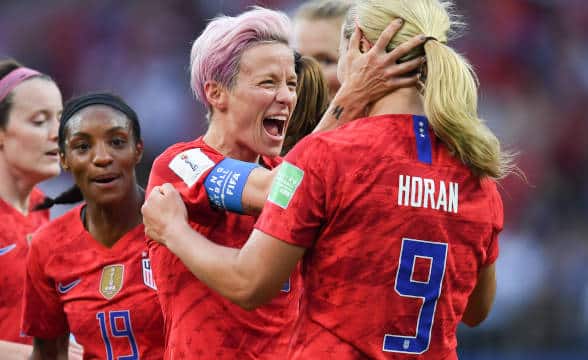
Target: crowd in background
x,y
532,60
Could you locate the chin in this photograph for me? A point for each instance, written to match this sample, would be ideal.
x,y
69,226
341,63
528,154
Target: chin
x,y
47,172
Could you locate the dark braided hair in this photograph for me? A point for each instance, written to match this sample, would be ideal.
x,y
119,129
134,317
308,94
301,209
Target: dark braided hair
x,y
71,107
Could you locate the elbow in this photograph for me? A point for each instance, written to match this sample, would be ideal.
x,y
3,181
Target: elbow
x,y
475,318
248,299
473,322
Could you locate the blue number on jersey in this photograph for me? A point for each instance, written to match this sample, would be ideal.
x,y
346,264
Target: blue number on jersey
x,y
126,331
429,291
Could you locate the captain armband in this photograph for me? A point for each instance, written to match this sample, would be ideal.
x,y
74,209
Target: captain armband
x,y
225,183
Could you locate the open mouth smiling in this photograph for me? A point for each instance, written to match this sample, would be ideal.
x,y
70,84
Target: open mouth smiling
x,y
275,125
105,179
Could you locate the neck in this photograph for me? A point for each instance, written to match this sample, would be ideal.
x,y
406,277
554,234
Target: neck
x,y
15,190
220,140
108,223
401,101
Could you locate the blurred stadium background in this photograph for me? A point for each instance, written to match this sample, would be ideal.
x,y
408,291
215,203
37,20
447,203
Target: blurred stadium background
x,y
532,59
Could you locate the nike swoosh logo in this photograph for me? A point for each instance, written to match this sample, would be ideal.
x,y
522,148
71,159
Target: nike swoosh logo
x,y
7,249
67,287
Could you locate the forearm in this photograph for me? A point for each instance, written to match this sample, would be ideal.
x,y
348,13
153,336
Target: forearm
x,y
15,351
347,105
256,190
482,297
216,266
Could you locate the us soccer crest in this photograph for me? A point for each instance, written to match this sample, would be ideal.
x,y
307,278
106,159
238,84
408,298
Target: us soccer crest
x,y
112,280
148,274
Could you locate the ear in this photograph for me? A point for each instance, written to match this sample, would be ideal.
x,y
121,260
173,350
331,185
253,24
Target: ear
x,y
62,161
216,95
139,149
2,134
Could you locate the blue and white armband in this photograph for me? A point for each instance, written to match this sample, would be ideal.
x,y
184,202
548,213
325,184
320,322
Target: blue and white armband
x,y
225,183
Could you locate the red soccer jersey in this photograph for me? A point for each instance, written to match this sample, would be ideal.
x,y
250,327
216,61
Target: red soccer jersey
x,y
15,234
397,230
105,296
199,323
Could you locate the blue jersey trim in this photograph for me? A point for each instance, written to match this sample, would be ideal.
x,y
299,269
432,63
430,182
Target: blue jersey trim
x,y
423,140
225,183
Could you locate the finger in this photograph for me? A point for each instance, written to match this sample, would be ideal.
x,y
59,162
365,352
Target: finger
x,y
407,46
407,81
167,189
388,34
355,40
409,66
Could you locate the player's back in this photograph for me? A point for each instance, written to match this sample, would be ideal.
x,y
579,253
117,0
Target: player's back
x,y
407,229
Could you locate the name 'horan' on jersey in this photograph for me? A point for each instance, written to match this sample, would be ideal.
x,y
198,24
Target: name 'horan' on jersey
x,y
427,193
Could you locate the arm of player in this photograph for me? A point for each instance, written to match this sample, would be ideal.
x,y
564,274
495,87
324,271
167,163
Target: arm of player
x,y
257,189
482,298
14,351
370,75
50,349
249,277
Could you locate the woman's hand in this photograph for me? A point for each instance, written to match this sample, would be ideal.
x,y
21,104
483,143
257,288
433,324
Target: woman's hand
x,y
163,212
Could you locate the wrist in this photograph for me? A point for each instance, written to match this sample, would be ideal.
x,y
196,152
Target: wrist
x,y
175,235
349,99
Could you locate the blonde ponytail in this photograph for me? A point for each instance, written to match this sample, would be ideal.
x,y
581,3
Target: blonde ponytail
x,y
450,84
451,102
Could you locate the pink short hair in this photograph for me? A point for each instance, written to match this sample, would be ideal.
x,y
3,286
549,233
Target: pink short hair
x,y
217,51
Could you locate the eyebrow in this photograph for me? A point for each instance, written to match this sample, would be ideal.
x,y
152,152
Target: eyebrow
x,y
109,131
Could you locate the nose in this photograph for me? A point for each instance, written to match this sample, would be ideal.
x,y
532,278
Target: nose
x,y
102,156
54,129
286,95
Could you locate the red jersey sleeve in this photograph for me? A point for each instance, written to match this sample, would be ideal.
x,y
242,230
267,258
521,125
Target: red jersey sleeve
x,y
185,166
294,211
497,225
43,315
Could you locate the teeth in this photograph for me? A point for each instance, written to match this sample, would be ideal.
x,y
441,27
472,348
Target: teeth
x,y
279,117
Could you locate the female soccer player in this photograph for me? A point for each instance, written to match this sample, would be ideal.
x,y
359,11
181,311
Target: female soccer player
x,y
88,272
395,215
244,72
30,105
317,28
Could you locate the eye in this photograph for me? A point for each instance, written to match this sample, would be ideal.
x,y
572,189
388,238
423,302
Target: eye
x,y
118,142
81,147
268,82
327,62
39,119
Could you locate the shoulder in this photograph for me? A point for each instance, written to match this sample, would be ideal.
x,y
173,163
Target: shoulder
x,y
490,187
58,231
194,154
